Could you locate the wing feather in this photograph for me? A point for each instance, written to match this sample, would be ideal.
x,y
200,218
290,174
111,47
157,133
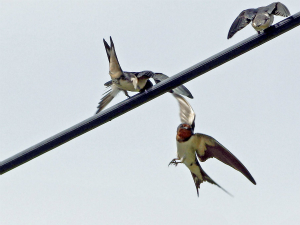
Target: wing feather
x,y
181,90
243,19
208,147
115,70
187,114
278,9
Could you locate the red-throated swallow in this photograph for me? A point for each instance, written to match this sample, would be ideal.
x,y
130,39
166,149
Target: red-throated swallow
x,y
261,17
130,81
191,146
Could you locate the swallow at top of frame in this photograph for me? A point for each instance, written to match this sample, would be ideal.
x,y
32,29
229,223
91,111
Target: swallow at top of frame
x,y
261,17
130,81
191,146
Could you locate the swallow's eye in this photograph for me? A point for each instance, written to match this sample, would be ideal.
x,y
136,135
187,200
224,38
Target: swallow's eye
x,y
187,127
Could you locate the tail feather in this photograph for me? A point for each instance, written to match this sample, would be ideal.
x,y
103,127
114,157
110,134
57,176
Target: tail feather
x,y
105,100
208,179
108,83
205,177
197,182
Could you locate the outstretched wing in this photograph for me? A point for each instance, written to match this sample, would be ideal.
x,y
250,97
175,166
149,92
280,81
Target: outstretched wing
x,y
181,90
115,70
110,94
143,74
187,114
208,147
241,21
278,9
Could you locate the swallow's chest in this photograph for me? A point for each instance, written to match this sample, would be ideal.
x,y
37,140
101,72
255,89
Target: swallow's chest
x,y
186,151
264,22
127,85
124,84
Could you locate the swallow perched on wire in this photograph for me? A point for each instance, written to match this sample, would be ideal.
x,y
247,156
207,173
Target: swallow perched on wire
x,y
261,17
130,81
191,147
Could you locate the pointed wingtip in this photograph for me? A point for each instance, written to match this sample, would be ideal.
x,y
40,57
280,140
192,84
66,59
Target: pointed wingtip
x,y
111,41
232,30
105,43
253,181
230,34
248,175
107,49
186,92
182,90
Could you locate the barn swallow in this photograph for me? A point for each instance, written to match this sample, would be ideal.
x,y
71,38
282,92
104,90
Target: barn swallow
x,y
261,17
191,146
130,81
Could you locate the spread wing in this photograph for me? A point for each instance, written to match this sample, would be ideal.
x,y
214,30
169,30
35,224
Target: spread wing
x,y
187,114
115,70
278,9
241,21
208,147
181,90
158,77
110,94
143,74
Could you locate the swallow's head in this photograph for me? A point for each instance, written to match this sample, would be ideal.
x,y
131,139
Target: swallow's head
x,y
262,21
184,132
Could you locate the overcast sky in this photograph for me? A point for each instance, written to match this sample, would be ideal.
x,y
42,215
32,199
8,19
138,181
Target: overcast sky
x,y
53,66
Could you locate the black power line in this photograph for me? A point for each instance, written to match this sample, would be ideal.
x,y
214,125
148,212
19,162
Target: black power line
x,y
157,90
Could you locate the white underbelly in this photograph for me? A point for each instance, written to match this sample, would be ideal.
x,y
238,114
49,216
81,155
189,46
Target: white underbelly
x,y
262,27
126,85
186,152
267,24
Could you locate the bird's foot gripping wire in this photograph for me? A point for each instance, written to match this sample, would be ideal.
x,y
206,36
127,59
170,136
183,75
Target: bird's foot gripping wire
x,y
174,162
126,93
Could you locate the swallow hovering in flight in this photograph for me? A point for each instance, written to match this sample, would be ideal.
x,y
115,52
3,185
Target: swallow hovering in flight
x,y
261,17
191,146
130,81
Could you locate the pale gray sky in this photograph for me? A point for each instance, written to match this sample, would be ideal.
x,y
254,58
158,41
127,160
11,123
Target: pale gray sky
x,y
53,66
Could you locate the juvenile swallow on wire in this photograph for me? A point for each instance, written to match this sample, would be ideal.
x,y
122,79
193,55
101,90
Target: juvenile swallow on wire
x,y
261,17
130,81
191,147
